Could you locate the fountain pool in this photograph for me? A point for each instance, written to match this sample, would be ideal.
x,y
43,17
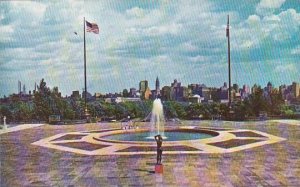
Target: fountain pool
x,y
170,135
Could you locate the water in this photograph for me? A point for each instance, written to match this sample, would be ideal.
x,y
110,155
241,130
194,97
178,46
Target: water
x,y
169,136
157,119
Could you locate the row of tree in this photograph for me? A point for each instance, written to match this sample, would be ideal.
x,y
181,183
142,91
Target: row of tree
x,y
48,102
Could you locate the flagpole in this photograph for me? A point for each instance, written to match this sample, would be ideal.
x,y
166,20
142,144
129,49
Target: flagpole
x,y
229,68
85,90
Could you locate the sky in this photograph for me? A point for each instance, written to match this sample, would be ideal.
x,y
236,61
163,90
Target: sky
x,y
140,40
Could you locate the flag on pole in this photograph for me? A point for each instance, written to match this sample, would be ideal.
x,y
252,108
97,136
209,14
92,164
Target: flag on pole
x,y
227,29
92,27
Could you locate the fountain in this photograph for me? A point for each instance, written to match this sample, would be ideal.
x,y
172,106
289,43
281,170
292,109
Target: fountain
x,y
157,119
157,126
4,123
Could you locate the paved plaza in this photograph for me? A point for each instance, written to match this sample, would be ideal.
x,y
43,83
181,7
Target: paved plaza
x,y
71,155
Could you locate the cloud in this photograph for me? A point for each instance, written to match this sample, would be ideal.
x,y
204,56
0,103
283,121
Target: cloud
x,y
135,12
296,51
256,31
267,7
182,39
172,28
198,58
286,68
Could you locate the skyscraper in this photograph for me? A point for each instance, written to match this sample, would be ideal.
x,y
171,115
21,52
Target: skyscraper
x,y
19,87
143,87
24,89
296,89
157,90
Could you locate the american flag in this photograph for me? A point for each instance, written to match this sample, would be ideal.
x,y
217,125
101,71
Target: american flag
x,y
227,28
92,27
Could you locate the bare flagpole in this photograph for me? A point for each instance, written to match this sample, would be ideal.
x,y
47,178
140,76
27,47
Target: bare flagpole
x,y
229,69
85,90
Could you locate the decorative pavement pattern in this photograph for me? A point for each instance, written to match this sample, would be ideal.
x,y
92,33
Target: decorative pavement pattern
x,y
28,165
91,143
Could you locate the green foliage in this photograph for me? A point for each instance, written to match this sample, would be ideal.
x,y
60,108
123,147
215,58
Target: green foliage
x,y
48,102
287,111
257,102
5,111
125,93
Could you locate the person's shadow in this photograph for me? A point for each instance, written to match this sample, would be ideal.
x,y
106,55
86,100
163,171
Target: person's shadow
x,y
144,170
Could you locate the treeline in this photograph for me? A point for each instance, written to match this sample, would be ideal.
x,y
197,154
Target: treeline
x,y
48,102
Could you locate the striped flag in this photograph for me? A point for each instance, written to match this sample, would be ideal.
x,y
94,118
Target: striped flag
x,y
92,27
227,29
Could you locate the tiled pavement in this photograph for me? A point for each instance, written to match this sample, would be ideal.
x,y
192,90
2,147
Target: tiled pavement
x,y
24,164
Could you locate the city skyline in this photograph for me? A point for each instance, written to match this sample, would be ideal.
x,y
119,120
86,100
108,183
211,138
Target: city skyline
x,y
182,40
23,87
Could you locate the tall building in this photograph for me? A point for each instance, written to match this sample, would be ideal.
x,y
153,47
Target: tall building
x,y
296,89
75,95
147,93
235,87
19,87
157,90
245,92
132,92
201,90
24,89
269,87
178,92
223,93
283,90
166,93
143,87
254,88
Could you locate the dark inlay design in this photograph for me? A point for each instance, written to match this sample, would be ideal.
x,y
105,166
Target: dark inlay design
x,y
70,137
98,131
166,148
82,145
234,143
247,134
216,129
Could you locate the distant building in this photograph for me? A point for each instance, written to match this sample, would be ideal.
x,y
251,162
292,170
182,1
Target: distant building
x,y
223,94
176,92
24,89
157,89
127,99
88,95
245,92
147,94
195,99
254,89
142,88
19,87
296,89
133,92
166,93
269,87
75,95
98,95
235,87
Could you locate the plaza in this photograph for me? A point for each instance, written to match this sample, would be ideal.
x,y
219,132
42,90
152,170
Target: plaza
x,y
46,155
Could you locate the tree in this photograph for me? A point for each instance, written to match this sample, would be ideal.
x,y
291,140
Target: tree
x,y
257,101
41,101
125,93
276,101
287,111
4,111
239,109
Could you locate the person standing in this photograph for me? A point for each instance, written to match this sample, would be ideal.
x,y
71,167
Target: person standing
x,y
158,140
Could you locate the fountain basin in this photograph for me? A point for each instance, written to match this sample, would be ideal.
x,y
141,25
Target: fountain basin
x,y
145,136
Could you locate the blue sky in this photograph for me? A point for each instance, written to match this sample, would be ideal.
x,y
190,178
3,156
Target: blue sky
x,y
183,40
